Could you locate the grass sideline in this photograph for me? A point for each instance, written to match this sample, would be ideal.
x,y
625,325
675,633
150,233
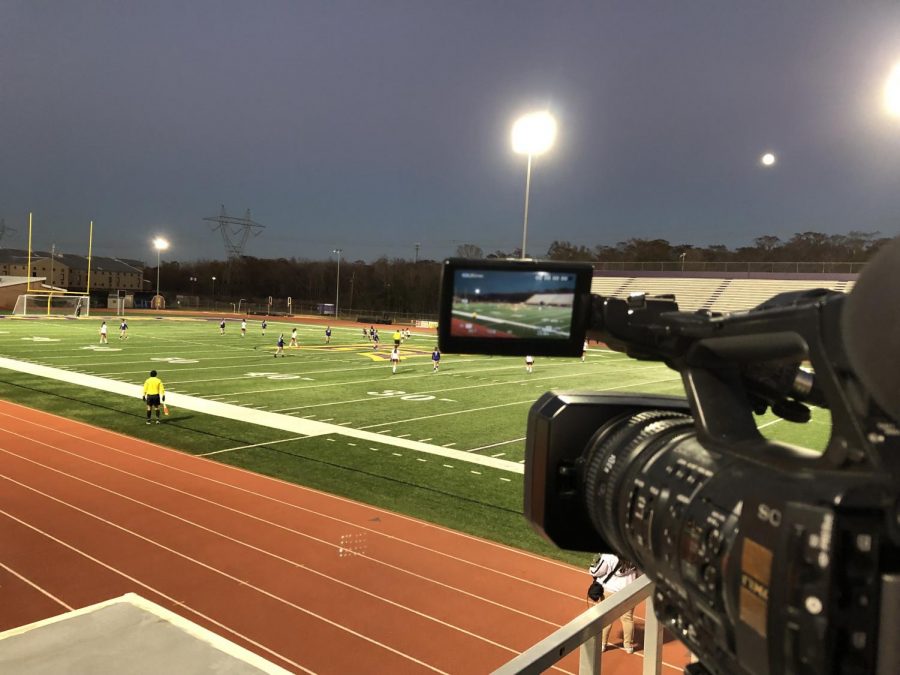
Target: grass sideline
x,y
476,404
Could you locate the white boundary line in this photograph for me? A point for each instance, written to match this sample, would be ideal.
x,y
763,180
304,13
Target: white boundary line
x,y
295,425
37,588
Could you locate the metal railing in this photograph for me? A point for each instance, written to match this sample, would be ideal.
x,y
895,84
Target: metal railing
x,y
583,633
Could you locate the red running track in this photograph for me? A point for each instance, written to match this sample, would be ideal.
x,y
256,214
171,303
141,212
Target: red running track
x,y
313,582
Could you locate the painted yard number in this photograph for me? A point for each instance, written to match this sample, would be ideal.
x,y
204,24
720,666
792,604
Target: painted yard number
x,y
402,395
277,376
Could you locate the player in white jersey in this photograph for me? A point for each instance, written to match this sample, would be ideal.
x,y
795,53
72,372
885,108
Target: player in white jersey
x,y
395,360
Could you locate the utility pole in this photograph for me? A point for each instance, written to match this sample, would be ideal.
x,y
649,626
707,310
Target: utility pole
x,y
417,252
337,293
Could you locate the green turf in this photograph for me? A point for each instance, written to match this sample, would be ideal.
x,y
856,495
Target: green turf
x,y
475,403
518,319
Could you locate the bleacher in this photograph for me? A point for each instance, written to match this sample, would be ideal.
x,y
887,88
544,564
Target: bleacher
x,y
718,295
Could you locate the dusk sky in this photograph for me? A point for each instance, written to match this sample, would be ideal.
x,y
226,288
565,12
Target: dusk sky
x,y
372,125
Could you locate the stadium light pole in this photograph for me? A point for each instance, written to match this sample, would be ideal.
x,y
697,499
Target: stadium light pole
x,y
337,293
532,134
214,293
161,245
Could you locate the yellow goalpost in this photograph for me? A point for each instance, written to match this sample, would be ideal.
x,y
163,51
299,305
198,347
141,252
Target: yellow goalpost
x,y
42,291
43,298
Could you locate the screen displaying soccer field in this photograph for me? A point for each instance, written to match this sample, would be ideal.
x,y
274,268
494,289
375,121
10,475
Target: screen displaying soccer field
x,y
509,304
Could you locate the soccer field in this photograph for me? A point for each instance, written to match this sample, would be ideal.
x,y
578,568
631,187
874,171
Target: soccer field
x,y
446,446
518,320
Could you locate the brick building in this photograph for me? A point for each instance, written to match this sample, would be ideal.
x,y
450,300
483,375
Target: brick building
x,y
68,271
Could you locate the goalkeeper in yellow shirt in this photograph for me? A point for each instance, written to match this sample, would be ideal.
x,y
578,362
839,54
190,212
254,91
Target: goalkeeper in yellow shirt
x,y
154,394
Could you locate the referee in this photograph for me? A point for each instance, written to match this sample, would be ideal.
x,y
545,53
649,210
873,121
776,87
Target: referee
x,y
154,393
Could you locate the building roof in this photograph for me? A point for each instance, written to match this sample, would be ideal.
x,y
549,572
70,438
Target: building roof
x,y
72,261
19,281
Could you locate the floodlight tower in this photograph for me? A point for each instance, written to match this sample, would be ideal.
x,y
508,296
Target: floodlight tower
x,y
532,134
160,245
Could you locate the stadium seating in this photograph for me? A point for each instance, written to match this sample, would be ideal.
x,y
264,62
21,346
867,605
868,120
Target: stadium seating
x,y
719,295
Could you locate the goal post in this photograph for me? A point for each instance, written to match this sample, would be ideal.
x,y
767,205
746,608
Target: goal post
x,y
51,304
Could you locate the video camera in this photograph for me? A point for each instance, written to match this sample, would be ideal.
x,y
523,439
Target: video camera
x,y
766,558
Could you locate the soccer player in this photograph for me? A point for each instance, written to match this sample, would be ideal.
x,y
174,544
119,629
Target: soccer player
x,y
103,339
435,359
529,364
397,337
243,327
365,333
584,350
293,338
375,339
123,330
154,393
222,327
395,360
280,349
327,334
263,326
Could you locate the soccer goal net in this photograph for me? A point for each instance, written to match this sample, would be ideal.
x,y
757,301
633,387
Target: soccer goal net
x,y
48,304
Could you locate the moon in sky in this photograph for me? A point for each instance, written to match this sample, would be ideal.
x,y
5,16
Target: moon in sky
x,y
767,159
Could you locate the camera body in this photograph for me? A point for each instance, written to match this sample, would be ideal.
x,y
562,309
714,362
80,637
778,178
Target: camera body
x,y
766,558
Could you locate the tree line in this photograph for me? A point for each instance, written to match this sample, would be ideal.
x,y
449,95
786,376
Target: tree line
x,y
855,247
386,286
398,286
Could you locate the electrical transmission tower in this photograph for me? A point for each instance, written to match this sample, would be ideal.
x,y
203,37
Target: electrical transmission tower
x,y
4,230
235,231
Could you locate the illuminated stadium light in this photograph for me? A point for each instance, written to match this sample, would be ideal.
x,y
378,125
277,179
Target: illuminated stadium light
x,y
768,159
534,133
892,92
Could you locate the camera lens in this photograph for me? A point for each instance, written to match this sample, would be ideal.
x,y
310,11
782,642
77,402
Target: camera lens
x,y
617,453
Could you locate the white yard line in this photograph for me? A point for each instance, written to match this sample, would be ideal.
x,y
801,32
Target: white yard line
x,y
494,445
254,445
264,418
